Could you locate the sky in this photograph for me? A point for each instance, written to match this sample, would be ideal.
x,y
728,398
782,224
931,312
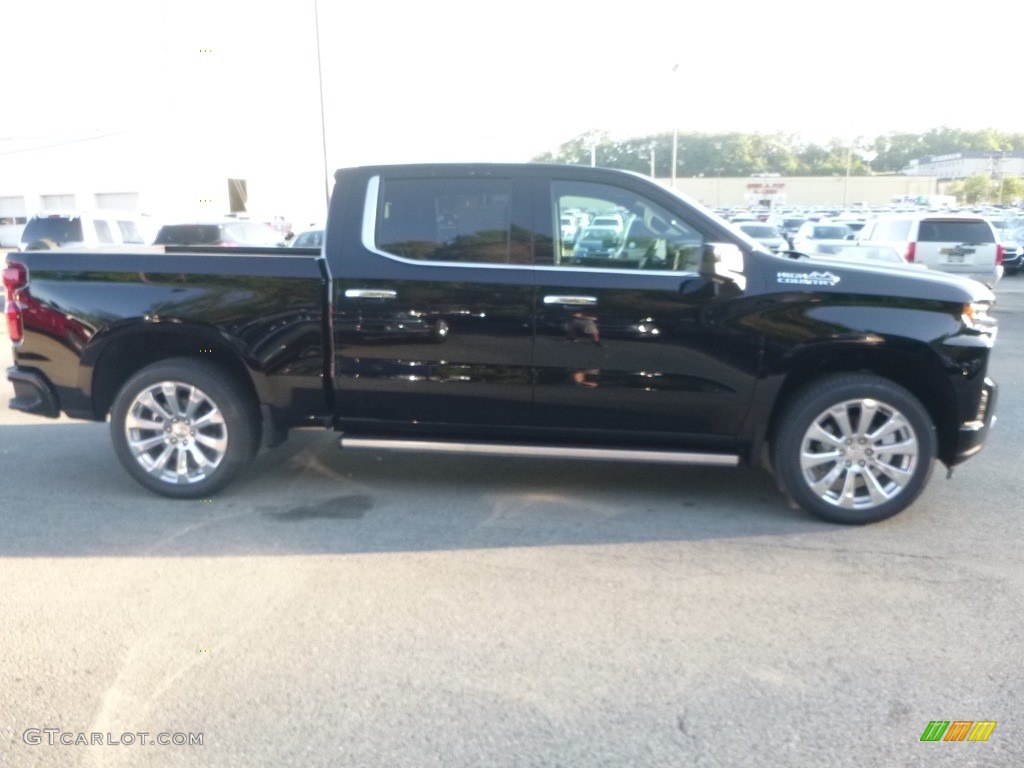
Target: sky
x,y
235,85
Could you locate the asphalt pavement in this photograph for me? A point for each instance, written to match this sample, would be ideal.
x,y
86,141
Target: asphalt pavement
x,y
374,609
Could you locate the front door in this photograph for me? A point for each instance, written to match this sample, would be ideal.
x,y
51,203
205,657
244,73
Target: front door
x,y
630,338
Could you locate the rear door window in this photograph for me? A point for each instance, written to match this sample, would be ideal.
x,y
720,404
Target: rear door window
x,y
129,232
450,220
103,234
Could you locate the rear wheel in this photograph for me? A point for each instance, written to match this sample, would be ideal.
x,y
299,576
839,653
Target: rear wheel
x,y
183,428
854,448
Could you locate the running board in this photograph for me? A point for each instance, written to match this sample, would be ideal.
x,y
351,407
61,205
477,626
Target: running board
x,y
542,451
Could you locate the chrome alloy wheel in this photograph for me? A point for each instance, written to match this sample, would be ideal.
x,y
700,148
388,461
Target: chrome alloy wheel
x,y
176,432
859,454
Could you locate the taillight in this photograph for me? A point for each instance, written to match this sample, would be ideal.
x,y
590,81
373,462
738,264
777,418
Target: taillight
x,y
999,254
15,278
911,250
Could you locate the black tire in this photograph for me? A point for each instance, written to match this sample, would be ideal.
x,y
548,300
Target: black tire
x,y
845,471
189,415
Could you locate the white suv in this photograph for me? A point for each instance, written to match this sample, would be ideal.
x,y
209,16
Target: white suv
x,y
81,229
964,245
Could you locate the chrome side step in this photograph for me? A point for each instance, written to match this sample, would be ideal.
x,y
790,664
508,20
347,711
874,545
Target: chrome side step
x,y
542,451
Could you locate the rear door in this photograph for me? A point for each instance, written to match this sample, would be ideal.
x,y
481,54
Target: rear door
x,y
433,309
960,246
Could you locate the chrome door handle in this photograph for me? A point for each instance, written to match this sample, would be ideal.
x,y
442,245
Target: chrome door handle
x,y
575,301
370,293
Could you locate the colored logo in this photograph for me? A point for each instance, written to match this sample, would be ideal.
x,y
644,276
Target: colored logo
x,y
958,730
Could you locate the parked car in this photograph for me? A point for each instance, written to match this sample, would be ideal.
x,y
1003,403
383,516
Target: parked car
x,y
222,234
569,228
765,234
854,225
790,225
812,233
311,238
598,242
962,244
11,228
869,254
81,229
1013,252
609,220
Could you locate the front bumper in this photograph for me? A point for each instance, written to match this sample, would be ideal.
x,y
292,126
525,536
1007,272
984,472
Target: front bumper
x,y
33,393
973,433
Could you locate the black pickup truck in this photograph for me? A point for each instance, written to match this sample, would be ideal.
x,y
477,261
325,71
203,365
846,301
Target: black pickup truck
x,y
456,308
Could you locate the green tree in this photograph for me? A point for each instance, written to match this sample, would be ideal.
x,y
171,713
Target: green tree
x,y
1012,189
976,189
741,154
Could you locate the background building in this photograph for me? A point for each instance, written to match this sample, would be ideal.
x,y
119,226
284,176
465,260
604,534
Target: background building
x,y
161,173
772,191
963,165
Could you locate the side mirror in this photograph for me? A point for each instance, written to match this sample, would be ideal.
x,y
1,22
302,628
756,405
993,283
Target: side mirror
x,y
721,263
721,259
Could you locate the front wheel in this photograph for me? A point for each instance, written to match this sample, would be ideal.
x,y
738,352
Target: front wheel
x,y
854,448
183,428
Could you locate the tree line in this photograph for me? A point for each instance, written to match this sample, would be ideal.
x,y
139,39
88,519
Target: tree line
x,y
746,154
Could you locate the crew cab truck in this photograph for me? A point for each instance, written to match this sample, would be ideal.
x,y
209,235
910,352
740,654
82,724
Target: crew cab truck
x,y
446,311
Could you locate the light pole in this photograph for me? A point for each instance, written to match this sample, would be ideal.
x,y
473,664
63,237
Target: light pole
x,y
849,162
675,130
323,123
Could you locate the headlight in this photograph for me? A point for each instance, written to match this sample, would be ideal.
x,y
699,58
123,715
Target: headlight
x,y
976,314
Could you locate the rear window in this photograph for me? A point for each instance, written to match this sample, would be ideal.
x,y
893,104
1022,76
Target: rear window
x,y
188,234
57,229
938,231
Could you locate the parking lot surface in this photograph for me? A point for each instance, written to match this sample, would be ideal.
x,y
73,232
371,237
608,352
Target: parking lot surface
x,y
363,609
